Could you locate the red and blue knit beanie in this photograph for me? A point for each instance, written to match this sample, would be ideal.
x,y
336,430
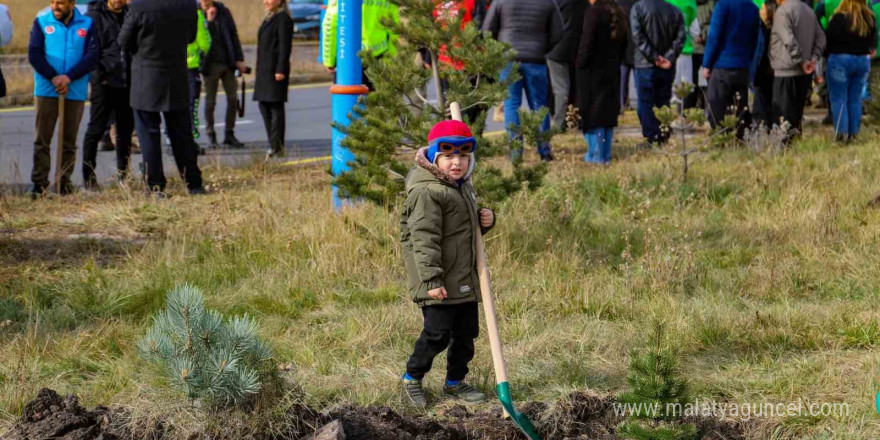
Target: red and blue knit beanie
x,y
449,131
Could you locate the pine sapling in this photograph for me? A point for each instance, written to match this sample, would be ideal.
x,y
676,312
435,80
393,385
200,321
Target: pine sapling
x,y
657,396
391,123
220,361
685,120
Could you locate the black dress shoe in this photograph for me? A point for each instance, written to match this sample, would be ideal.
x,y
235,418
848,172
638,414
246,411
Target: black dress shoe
x,y
197,191
231,142
35,192
67,188
212,141
156,194
91,184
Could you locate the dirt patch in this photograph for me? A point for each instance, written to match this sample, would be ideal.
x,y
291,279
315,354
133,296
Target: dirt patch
x,y
579,416
49,416
60,252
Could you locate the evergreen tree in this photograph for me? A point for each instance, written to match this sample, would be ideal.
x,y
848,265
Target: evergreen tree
x,y
392,122
221,361
655,389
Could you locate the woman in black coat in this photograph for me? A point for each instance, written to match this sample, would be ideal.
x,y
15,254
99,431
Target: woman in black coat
x,y
762,75
601,52
274,43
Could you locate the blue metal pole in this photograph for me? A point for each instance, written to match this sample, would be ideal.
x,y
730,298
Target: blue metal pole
x,y
349,83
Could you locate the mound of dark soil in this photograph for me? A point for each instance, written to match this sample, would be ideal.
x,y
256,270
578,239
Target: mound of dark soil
x,y
579,416
49,416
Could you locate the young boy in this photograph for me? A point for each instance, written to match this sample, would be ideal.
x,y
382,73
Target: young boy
x,y
439,217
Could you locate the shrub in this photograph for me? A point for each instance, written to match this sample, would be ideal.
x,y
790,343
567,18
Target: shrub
x,y
221,361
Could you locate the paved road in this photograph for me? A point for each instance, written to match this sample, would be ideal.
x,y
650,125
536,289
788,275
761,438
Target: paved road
x,y
308,134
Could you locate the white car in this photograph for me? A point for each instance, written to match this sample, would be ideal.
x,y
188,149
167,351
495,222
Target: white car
x,y
5,25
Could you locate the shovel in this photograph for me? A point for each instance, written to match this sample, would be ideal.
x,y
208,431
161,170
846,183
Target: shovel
x,y
59,163
502,387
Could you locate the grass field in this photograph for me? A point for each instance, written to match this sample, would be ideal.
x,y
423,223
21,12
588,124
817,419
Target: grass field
x,y
766,270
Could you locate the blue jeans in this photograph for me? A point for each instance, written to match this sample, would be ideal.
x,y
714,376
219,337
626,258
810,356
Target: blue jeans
x,y
654,87
847,76
535,81
599,143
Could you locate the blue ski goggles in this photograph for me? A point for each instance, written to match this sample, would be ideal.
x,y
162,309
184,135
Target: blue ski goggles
x,y
455,145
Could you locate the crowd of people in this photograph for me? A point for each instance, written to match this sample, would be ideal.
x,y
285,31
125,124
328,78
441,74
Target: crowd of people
x,y
142,65
135,62
586,53
775,49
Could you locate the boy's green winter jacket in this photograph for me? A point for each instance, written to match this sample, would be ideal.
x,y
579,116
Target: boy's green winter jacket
x,y
196,50
437,232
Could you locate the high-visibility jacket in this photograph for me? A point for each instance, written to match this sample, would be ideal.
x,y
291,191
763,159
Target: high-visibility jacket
x,y
376,39
197,50
63,49
688,9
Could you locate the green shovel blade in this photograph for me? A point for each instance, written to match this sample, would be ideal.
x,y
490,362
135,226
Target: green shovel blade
x,y
521,421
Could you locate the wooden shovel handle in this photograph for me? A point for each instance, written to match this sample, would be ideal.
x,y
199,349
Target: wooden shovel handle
x,y
59,153
486,289
489,310
455,111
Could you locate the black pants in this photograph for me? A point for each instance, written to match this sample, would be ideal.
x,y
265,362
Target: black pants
x,y
2,85
107,103
451,328
789,99
762,105
225,74
179,126
274,119
625,72
729,93
696,99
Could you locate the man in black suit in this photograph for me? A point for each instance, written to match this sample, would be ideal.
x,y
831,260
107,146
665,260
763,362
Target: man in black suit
x,y
156,33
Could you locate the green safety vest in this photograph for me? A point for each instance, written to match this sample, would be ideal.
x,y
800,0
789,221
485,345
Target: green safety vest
x,y
688,9
199,48
376,39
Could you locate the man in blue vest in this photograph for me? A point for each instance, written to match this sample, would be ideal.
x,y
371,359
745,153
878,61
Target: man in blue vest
x,y
62,50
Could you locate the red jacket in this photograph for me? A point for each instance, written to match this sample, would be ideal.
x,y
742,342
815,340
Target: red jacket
x,y
450,10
